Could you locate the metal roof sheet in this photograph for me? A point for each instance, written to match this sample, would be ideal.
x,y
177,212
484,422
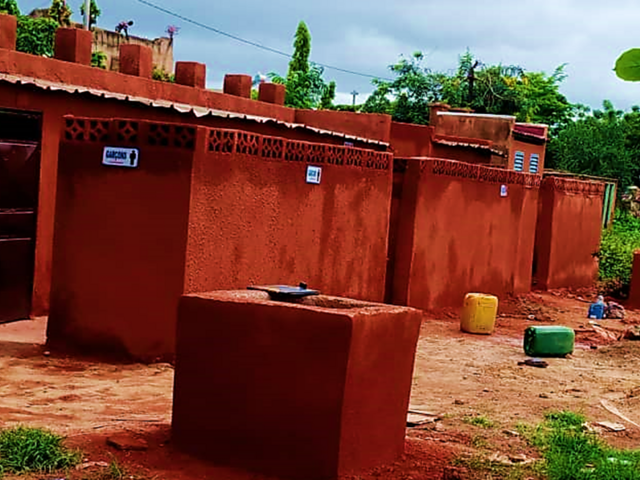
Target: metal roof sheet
x,y
197,111
467,144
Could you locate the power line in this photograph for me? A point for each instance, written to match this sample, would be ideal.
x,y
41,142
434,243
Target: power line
x,y
249,42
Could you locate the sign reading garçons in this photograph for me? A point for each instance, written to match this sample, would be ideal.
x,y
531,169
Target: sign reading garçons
x,y
120,157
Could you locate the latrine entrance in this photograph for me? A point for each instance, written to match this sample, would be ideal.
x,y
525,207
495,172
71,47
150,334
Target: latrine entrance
x,y
20,134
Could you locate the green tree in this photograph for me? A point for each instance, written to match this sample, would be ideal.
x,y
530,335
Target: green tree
x,y
304,82
60,12
10,7
94,13
604,143
495,89
36,35
299,63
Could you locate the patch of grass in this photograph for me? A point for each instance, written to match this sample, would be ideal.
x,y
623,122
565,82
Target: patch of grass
x,y
572,453
479,421
479,468
479,442
569,452
24,450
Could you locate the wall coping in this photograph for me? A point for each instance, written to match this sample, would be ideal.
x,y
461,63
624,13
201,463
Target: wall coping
x,y
472,171
85,78
219,141
179,107
573,186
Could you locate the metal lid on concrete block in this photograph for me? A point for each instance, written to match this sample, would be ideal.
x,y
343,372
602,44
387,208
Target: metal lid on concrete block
x,y
285,292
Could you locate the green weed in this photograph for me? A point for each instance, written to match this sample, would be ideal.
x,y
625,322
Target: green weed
x,y
479,468
479,421
569,452
24,450
479,442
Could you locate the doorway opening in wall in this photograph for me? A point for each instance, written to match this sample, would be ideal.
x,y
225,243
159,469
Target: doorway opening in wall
x,y
20,137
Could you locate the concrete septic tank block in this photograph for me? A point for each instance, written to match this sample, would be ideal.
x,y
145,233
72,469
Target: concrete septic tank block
x,y
272,93
136,60
73,45
307,390
191,74
8,29
238,85
634,292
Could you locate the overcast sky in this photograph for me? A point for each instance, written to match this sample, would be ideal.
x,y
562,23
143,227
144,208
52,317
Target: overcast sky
x,y
368,35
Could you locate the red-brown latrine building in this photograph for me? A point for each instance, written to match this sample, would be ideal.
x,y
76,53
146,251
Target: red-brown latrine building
x,y
220,198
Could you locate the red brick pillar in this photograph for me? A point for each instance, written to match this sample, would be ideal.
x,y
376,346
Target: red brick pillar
x,y
191,74
73,45
434,108
272,93
238,85
8,28
136,60
634,292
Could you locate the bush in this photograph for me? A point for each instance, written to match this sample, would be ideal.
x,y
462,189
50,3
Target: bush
x,y
163,76
99,60
36,35
34,450
616,252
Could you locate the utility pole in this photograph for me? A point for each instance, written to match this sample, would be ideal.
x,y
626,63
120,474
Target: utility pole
x,y
87,14
355,94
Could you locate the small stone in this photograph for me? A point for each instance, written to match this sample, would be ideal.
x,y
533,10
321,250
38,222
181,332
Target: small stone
x,y
520,458
127,442
544,395
85,465
486,390
511,433
458,402
47,354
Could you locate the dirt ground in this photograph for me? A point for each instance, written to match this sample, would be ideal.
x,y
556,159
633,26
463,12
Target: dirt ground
x,y
457,377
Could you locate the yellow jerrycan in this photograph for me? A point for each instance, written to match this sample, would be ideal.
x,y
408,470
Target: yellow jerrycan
x,y
479,314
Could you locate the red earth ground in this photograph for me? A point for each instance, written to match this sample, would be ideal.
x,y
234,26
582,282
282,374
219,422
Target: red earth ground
x,y
457,377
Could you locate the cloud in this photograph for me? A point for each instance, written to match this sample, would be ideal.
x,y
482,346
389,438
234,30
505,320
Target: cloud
x,y
367,36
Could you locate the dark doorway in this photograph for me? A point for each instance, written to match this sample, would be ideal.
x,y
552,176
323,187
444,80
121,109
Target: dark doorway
x,y
20,134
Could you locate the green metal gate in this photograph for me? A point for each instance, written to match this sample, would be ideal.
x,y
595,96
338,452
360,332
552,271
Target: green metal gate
x,y
609,204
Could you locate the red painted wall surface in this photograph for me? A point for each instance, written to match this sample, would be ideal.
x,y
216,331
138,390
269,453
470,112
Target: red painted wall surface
x,y
255,220
459,235
129,242
528,149
408,140
335,367
54,106
494,128
568,233
365,125
17,63
118,257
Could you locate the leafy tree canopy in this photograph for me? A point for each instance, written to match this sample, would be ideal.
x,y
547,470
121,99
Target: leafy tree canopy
x,y
94,12
604,143
304,82
496,89
10,7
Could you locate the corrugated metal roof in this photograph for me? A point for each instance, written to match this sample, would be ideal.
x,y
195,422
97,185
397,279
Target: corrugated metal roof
x,y
530,135
469,144
198,111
